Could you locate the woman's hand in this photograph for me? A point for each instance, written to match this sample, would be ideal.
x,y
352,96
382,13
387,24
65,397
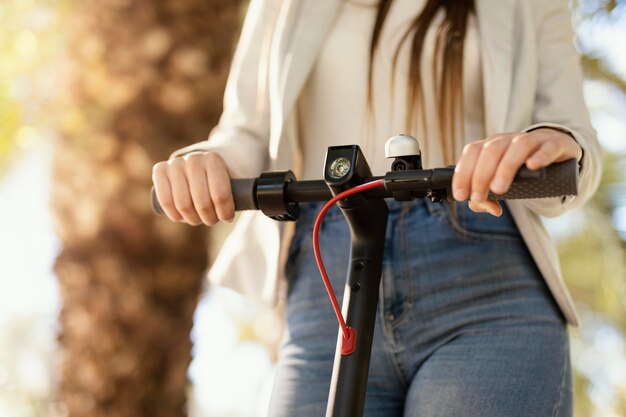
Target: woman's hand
x,y
491,164
194,188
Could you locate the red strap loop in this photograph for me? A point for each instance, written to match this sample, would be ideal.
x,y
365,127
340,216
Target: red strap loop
x,y
348,341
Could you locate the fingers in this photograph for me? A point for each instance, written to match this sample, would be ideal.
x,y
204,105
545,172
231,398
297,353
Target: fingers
x,y
486,166
181,192
199,189
473,173
547,153
462,178
476,168
490,206
481,167
493,163
521,146
195,189
162,188
219,187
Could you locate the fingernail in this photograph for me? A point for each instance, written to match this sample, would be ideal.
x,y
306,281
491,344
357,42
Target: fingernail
x,y
229,220
497,186
537,161
459,194
495,212
476,196
476,209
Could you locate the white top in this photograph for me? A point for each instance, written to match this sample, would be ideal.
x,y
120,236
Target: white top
x,y
333,105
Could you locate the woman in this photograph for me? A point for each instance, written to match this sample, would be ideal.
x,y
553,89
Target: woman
x,y
473,311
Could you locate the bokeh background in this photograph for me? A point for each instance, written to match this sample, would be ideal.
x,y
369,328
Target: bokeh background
x,y
103,311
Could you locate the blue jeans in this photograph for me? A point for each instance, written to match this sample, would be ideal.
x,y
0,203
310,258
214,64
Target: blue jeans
x,y
465,325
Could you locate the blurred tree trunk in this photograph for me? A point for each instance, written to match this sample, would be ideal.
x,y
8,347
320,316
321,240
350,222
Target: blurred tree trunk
x,y
144,77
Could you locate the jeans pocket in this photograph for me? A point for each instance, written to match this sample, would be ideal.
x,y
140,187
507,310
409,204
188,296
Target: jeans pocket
x,y
482,226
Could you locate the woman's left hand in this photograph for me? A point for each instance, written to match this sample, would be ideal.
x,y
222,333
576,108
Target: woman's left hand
x,y
491,164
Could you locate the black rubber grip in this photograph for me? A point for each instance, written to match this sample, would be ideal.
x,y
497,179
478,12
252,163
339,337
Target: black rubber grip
x,y
243,196
560,179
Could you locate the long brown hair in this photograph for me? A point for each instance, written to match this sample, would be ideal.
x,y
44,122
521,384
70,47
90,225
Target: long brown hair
x,y
447,65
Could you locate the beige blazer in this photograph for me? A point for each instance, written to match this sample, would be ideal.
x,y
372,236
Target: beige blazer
x,y
532,77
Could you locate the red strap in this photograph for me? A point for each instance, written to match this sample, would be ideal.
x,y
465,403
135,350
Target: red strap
x,y
348,341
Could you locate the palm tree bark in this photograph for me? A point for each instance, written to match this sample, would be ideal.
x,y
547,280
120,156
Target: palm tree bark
x,y
144,77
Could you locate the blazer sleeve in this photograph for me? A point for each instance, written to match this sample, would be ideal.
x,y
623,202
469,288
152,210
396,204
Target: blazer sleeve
x,y
241,136
559,103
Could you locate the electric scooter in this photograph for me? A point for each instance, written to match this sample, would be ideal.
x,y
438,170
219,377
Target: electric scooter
x,y
348,182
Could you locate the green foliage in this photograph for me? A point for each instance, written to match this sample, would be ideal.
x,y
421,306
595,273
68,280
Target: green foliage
x,y
594,267
29,47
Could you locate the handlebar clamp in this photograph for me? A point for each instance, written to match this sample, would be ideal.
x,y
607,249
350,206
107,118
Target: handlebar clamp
x,y
270,194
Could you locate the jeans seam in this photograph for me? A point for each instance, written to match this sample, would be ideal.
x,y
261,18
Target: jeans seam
x,y
408,304
560,392
388,335
390,341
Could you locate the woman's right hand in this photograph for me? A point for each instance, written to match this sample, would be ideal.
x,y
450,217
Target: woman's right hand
x,y
194,188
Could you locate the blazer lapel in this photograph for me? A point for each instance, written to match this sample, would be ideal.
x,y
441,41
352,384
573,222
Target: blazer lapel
x,y
309,22
495,24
